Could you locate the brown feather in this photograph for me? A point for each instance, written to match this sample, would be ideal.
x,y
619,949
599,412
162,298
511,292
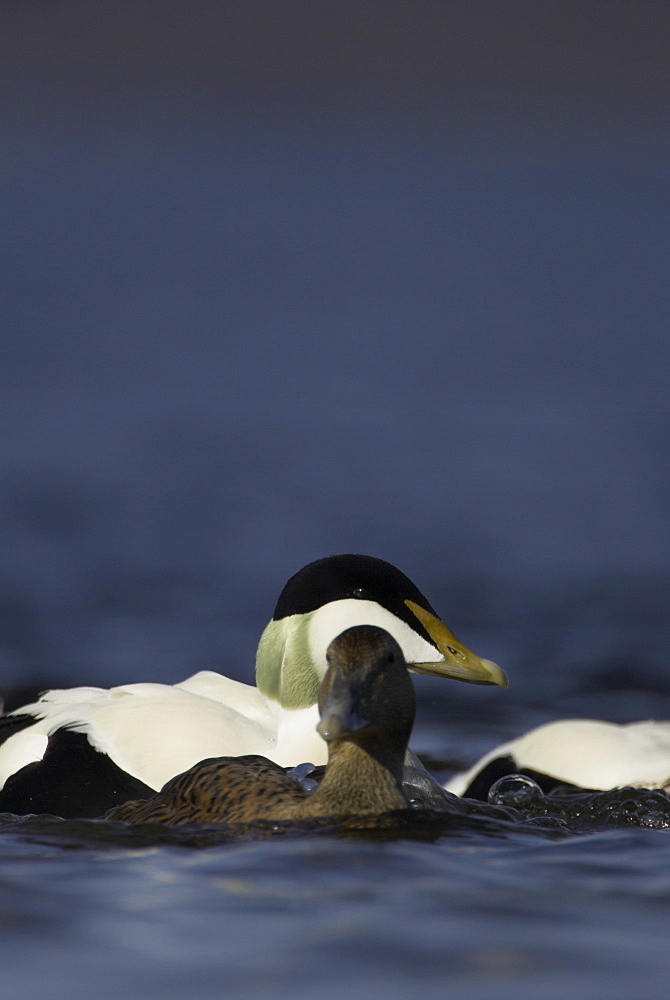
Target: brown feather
x,y
367,709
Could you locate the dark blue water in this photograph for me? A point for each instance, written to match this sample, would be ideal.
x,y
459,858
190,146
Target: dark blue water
x,y
411,302
468,915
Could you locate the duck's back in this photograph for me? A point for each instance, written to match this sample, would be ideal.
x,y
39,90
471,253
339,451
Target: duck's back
x,y
219,790
141,733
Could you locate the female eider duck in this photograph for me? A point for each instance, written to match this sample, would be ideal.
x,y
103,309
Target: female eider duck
x,y
584,753
81,751
366,704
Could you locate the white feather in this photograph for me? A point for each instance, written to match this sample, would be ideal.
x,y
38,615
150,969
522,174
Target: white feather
x,y
587,753
154,731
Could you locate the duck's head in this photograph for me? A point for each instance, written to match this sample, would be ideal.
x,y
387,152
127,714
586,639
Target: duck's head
x,y
367,692
333,594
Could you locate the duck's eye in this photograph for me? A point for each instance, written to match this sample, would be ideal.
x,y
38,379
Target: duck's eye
x,y
360,594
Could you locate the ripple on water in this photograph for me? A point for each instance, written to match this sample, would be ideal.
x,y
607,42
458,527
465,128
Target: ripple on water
x,y
583,811
464,905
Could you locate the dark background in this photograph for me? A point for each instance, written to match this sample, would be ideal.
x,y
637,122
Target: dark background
x,y
282,280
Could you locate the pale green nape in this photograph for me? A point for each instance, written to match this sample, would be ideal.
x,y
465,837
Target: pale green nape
x,y
285,670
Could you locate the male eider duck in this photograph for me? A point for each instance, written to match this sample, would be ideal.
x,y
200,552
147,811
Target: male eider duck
x,y
81,751
585,753
366,704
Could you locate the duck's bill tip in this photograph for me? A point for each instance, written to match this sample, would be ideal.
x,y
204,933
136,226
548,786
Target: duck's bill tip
x,y
330,728
476,671
334,724
458,662
498,675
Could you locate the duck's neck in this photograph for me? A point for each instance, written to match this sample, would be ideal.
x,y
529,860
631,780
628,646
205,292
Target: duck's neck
x,y
359,779
285,669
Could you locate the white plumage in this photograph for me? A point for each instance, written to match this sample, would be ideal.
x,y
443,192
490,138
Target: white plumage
x,y
151,732
586,753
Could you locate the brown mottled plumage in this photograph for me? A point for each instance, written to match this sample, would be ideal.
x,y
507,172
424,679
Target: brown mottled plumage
x,y
367,706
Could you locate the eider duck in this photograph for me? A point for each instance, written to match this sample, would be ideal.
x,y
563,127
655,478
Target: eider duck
x,y
366,706
584,753
81,751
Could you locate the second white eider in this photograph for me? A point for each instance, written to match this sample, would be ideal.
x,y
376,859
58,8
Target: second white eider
x,y
585,753
81,751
